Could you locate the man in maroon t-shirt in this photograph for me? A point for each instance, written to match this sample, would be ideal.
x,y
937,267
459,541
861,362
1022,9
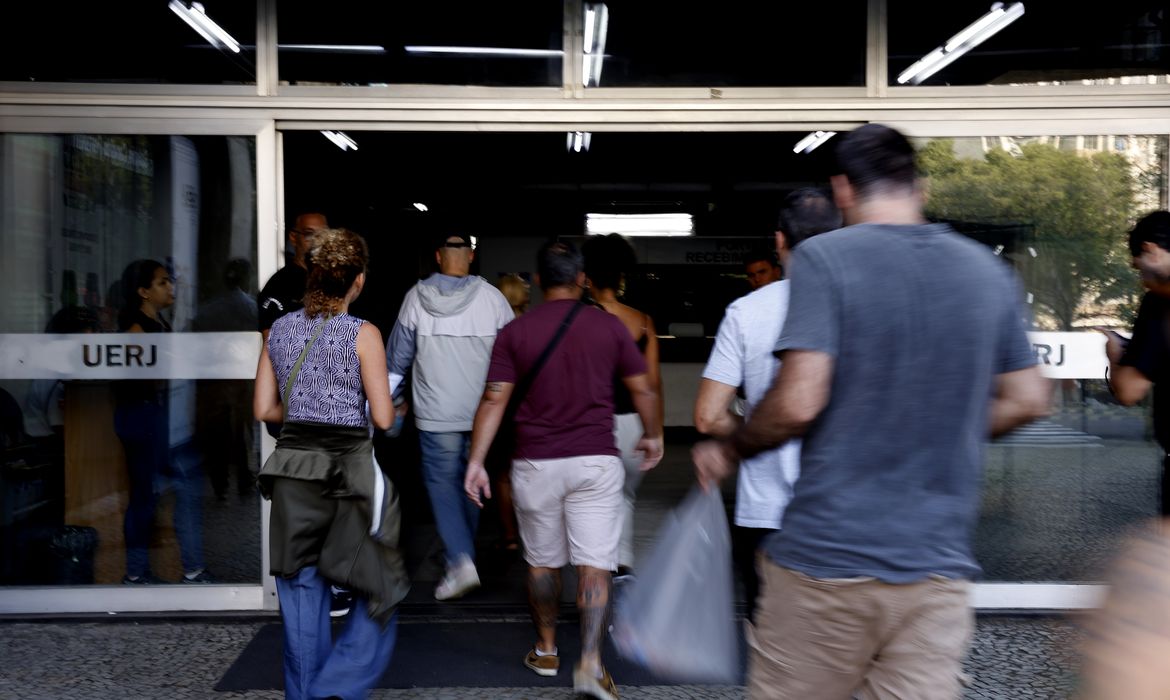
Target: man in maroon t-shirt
x,y
567,474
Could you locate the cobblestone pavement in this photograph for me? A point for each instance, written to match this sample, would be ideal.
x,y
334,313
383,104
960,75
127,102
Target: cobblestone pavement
x,y
1012,657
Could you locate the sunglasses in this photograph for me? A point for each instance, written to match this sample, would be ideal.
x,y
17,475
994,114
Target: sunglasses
x,y
456,244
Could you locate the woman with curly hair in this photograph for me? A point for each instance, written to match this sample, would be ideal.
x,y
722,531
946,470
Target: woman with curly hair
x,y
609,260
335,516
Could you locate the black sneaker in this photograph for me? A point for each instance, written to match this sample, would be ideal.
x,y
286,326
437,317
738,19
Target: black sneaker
x,y
341,601
146,579
201,576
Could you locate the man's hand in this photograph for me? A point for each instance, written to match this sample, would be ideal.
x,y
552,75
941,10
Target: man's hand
x,y
400,409
715,460
1114,345
652,450
476,483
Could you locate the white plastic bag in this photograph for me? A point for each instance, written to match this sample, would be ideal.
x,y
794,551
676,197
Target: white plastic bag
x,y
677,618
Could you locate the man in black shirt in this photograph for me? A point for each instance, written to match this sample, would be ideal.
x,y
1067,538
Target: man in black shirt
x,y
1144,361
284,292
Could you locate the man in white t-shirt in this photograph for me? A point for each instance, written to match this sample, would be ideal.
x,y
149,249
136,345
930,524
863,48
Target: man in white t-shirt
x,y
743,356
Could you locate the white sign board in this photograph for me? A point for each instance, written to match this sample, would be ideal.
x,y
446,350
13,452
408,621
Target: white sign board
x,y
1070,355
129,355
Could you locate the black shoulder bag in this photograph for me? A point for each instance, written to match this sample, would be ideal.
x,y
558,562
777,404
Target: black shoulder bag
x,y
502,448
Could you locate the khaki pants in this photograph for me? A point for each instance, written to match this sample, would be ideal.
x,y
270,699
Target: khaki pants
x,y
835,639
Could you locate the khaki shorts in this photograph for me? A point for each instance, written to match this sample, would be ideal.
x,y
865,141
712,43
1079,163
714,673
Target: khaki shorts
x,y
836,639
569,510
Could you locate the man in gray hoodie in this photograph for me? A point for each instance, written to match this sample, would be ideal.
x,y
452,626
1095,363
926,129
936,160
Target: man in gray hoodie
x,y
444,334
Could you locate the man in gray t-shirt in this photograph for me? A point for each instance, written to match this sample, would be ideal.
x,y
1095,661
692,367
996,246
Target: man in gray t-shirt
x,y
903,351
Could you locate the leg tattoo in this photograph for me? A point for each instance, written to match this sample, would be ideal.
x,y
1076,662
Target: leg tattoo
x,y
544,596
593,594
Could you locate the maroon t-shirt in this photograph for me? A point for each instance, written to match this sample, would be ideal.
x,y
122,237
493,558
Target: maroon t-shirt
x,y
568,411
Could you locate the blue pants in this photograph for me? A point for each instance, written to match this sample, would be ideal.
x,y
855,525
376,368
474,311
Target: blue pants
x,y
144,432
444,461
314,666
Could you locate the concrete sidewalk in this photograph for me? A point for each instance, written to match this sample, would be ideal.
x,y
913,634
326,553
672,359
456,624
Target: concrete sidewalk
x,y
1012,657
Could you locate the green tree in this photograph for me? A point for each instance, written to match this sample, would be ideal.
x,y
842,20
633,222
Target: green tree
x,y
1077,207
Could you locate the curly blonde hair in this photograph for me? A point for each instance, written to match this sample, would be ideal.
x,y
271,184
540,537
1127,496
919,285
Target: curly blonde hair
x,y
337,258
515,290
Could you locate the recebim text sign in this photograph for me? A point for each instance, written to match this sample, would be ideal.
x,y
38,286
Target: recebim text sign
x,y
130,356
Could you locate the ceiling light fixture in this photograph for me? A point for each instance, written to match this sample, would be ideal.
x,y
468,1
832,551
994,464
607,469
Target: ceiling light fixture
x,y
810,143
578,141
195,16
970,37
486,51
634,225
340,140
333,48
420,206
596,27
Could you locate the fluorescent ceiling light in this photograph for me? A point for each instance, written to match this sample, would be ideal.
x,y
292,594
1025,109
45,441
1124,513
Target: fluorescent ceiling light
x,y
420,206
970,37
195,16
813,141
340,140
578,141
486,51
596,28
640,224
333,48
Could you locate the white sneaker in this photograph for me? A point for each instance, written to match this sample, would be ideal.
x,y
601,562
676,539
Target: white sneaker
x,y
458,581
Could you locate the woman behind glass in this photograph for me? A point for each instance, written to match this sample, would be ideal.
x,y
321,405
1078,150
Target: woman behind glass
x,y
609,260
142,423
334,517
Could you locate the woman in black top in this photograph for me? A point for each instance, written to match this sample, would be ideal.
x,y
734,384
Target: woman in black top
x,y
609,261
141,422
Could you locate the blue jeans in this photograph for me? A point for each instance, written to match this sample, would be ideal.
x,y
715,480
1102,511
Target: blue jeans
x,y
143,429
444,460
315,667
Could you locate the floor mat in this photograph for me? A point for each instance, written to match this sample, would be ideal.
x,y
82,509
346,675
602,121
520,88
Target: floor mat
x,y
445,655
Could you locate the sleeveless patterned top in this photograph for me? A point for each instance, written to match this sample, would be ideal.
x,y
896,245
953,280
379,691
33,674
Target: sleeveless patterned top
x,y
328,388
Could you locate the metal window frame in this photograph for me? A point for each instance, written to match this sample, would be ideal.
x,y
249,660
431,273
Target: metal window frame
x,y
267,109
117,598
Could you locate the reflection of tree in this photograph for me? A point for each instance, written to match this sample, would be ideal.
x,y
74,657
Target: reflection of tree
x,y
1078,207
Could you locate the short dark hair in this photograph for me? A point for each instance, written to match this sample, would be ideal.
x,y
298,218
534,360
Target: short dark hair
x,y
805,213
761,253
607,258
558,263
1153,228
875,157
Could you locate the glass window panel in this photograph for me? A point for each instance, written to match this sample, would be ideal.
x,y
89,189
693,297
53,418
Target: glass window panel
x,y
111,464
737,43
1060,493
420,43
136,41
1053,43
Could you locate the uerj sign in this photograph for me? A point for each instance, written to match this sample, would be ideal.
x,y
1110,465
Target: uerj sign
x,y
129,355
234,355
1070,355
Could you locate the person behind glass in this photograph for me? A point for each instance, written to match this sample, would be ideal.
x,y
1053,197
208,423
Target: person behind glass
x,y
1137,365
142,424
761,268
518,293
224,426
284,291
334,517
609,260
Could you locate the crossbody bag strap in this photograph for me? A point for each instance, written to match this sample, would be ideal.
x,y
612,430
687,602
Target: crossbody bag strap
x,y
526,383
292,376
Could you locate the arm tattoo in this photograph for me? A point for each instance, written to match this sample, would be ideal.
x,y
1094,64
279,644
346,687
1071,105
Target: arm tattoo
x,y
495,387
